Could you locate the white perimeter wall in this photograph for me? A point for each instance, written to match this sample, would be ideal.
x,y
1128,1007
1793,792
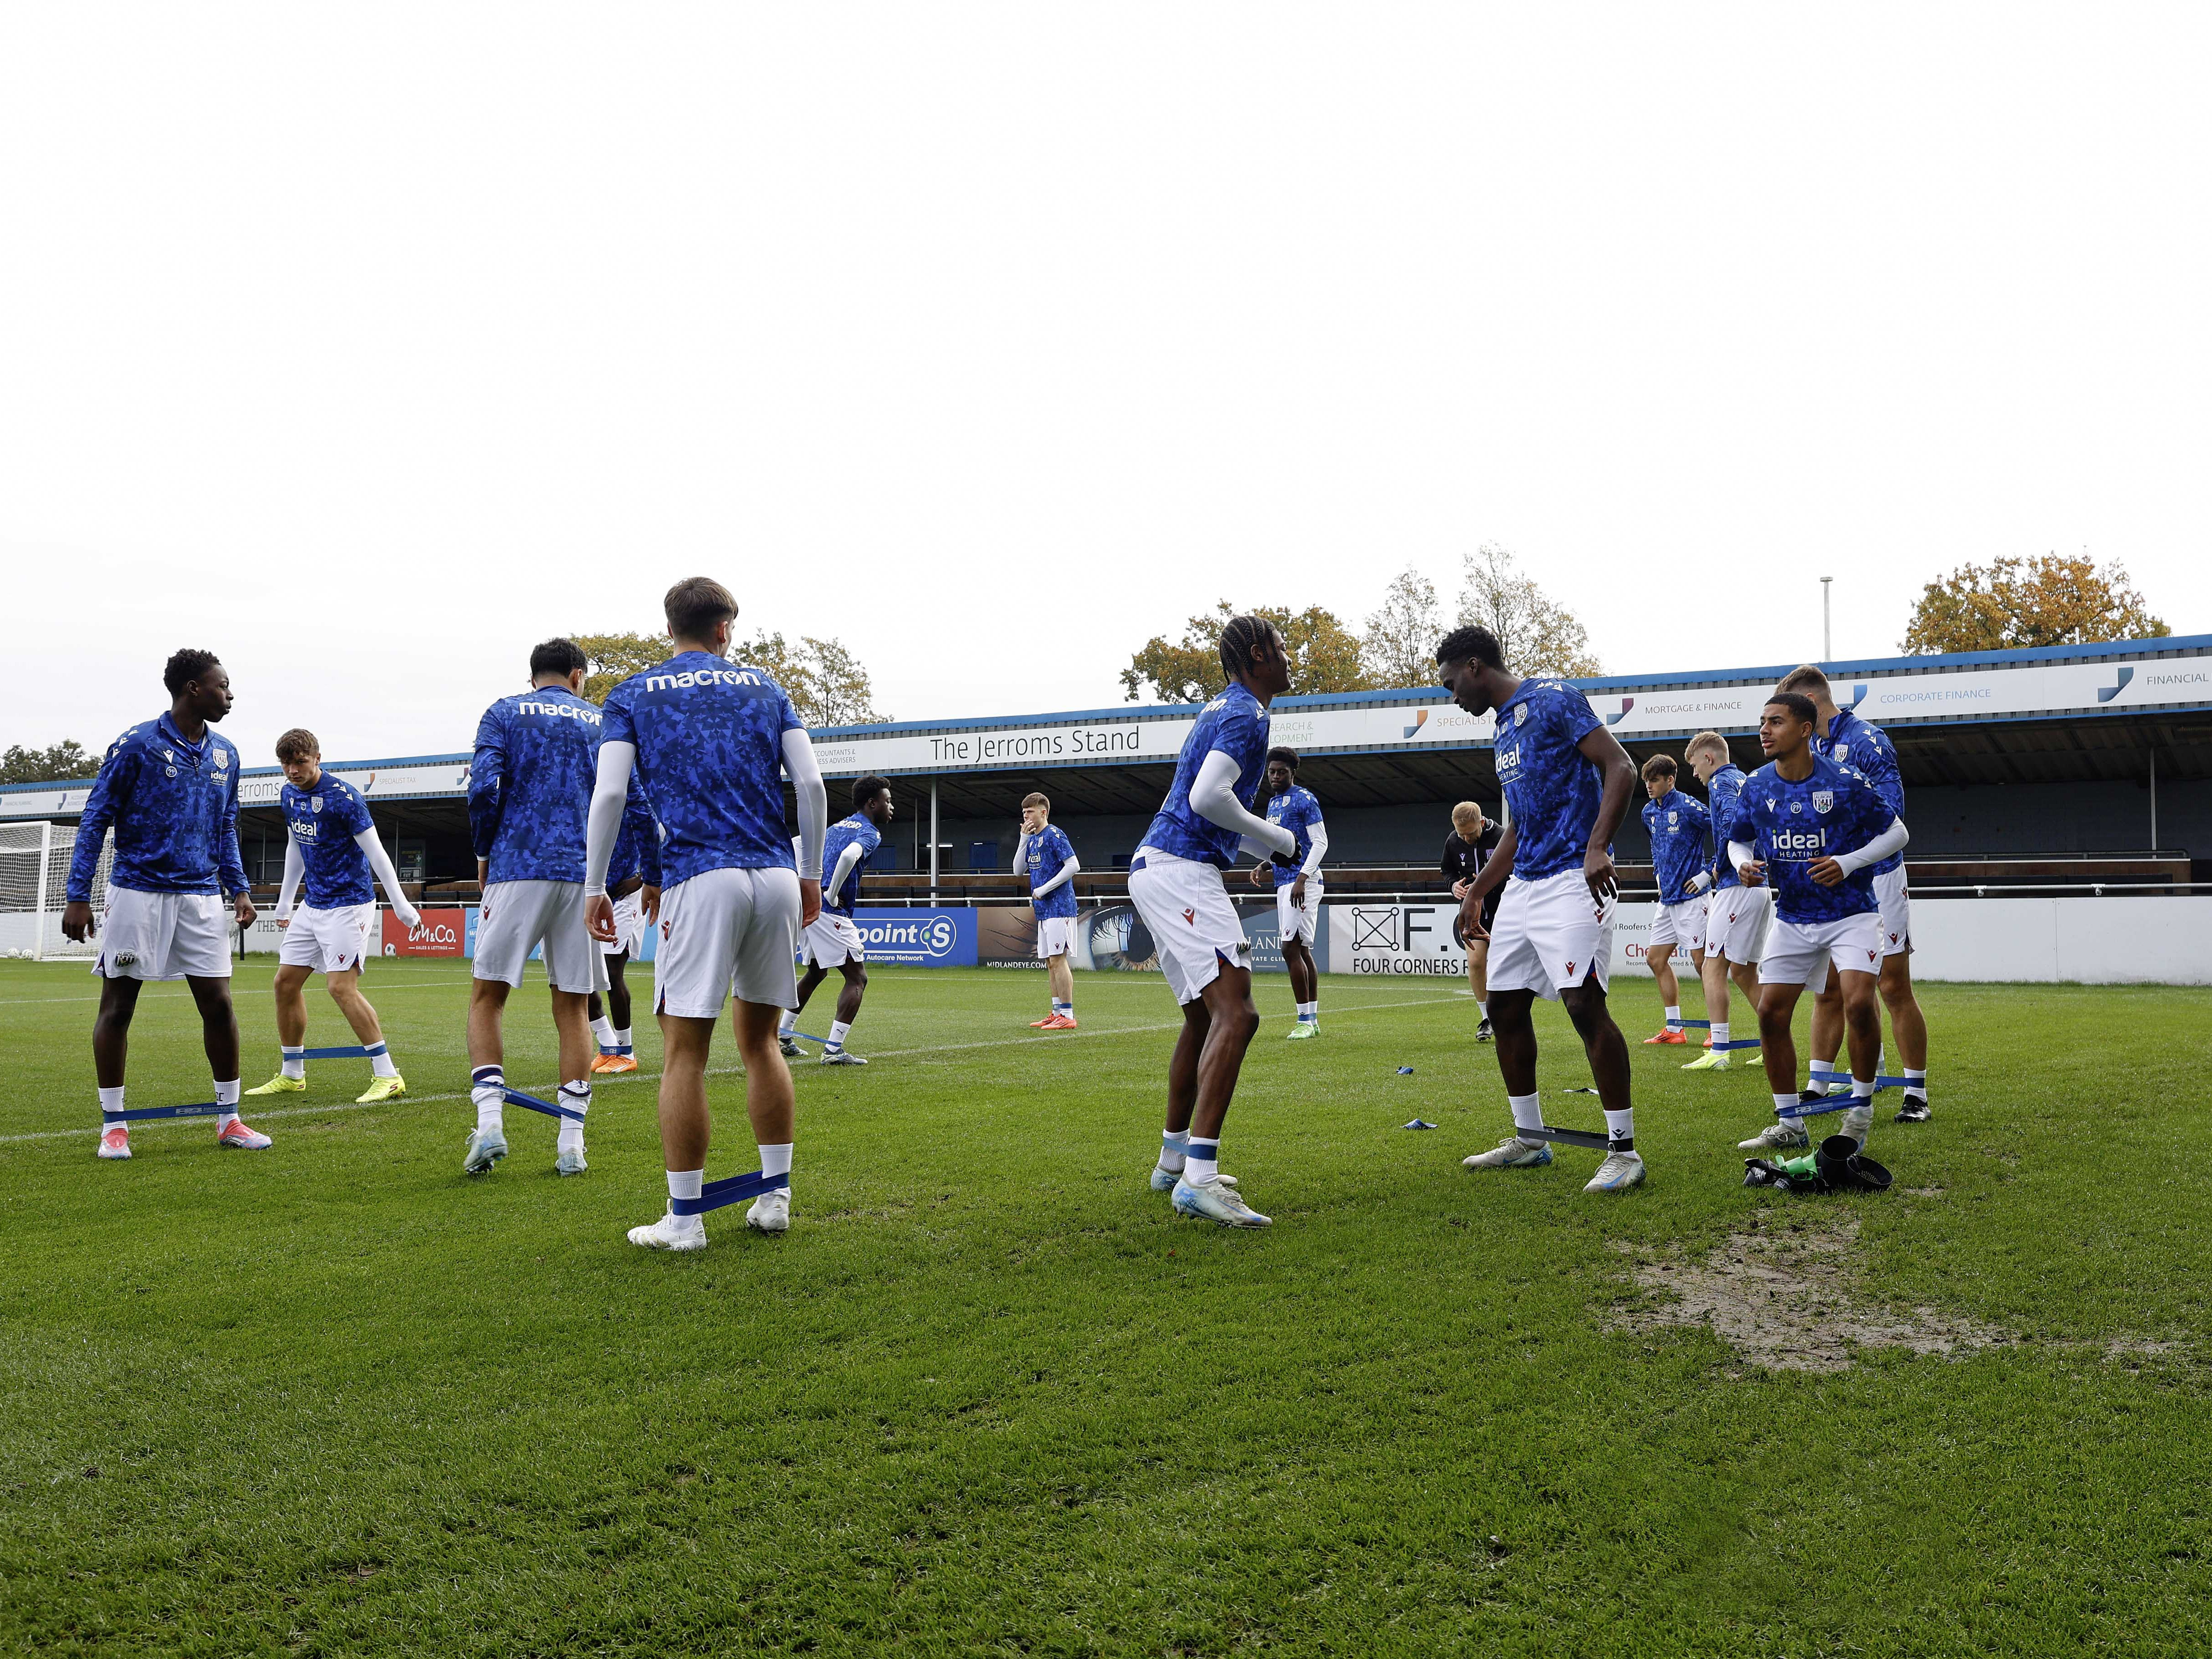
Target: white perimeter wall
x,y
2098,941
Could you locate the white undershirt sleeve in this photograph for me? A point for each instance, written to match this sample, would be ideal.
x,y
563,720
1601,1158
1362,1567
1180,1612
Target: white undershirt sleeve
x,y
295,871
610,792
1317,837
380,864
1892,839
813,798
1021,850
1741,853
1213,797
1066,874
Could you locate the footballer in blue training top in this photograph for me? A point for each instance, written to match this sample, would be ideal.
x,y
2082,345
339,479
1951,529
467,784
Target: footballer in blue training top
x,y
1811,830
832,940
1298,886
1678,825
1843,735
169,790
331,851
712,740
1735,915
1567,783
1175,886
1045,859
530,788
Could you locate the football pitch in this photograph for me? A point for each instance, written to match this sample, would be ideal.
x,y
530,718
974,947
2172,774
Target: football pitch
x,y
989,1396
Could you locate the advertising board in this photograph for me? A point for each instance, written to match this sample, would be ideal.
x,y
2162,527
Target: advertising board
x,y
442,932
919,939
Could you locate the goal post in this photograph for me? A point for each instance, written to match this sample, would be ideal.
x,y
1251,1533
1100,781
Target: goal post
x,y
34,866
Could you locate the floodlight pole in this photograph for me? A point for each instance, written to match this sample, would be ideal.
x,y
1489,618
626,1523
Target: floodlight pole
x,y
932,841
1827,646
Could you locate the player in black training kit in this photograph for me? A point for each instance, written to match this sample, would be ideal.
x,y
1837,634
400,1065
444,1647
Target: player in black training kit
x,y
1467,850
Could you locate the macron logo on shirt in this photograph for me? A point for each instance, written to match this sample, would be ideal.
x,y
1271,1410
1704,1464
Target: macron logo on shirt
x,y
566,710
696,676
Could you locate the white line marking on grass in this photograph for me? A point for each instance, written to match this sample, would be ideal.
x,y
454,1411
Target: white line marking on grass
x,y
1061,1037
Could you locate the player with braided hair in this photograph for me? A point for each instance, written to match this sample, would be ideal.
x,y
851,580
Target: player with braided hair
x,y
1175,885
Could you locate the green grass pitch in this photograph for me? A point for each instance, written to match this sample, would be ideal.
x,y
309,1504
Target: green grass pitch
x,y
990,1396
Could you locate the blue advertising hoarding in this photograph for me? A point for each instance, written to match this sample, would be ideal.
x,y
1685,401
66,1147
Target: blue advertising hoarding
x,y
919,939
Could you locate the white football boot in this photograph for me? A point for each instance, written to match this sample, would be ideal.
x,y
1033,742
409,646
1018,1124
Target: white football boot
x,y
671,1232
1619,1171
1782,1131
1512,1153
1215,1201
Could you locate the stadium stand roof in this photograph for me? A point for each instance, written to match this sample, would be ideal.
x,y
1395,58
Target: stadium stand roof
x,y
2062,713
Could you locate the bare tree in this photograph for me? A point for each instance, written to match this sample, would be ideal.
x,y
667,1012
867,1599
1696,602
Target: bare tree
x,y
1540,635
1400,648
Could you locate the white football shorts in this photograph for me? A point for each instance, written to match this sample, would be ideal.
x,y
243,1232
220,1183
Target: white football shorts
x,y
516,916
1891,893
164,936
727,932
1193,925
1735,921
1800,952
1550,935
1055,937
630,926
1682,926
1299,921
328,941
830,941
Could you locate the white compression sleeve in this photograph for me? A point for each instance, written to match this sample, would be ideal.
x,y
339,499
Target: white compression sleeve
x,y
813,798
1317,834
1066,874
1213,797
1741,853
380,864
847,862
1021,850
295,871
1892,839
610,791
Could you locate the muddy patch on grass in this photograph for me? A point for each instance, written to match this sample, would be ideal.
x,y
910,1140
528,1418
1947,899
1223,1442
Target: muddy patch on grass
x,y
1784,1293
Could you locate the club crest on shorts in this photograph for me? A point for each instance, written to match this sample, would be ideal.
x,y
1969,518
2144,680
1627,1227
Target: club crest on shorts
x,y
1823,799
1190,915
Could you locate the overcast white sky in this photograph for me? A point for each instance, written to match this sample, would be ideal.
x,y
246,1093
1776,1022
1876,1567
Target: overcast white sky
x,y
366,346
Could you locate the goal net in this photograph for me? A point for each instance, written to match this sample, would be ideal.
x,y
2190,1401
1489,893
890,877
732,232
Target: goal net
x,y
35,865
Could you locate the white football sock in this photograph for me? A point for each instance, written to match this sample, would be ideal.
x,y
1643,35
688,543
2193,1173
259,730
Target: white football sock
x,y
487,1089
1720,1034
1862,1092
577,1097
380,1062
623,1034
1310,1009
111,1100
1673,1014
1621,1126
1782,1101
604,1029
296,1063
1916,1083
685,1184
1822,1074
775,1160
1173,1146
788,1023
226,1095
837,1029
1201,1163
1482,1008
1527,1110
